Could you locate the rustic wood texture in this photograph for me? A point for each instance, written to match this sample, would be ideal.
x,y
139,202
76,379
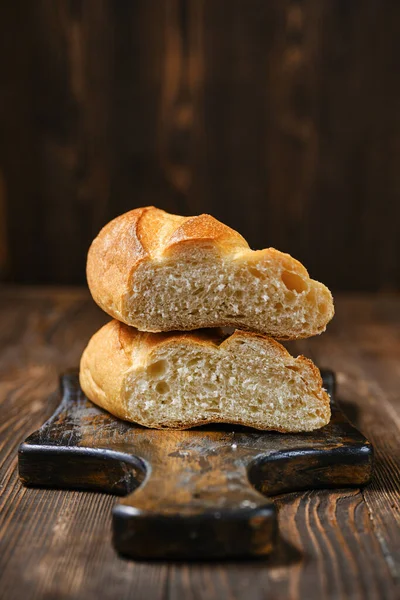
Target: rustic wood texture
x,y
335,544
200,489
280,118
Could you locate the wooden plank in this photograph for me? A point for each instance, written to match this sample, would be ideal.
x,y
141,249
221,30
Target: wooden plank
x,y
18,151
328,550
238,41
278,117
293,136
3,229
368,371
80,121
333,545
53,332
53,544
357,184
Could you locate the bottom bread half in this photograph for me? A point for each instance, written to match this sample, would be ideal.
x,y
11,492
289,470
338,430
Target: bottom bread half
x,y
179,380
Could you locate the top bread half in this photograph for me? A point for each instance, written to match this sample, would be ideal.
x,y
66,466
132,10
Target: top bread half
x,y
162,272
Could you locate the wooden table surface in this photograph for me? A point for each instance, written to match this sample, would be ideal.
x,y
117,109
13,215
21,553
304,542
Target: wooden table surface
x,y
333,544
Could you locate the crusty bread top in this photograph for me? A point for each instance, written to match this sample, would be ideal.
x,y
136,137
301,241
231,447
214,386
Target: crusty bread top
x,y
138,246
117,353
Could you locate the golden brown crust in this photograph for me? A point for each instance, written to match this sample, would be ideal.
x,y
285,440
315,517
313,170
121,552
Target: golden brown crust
x,y
102,367
110,264
117,348
204,229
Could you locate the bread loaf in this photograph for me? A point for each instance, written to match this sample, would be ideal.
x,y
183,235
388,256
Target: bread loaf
x,y
179,380
162,272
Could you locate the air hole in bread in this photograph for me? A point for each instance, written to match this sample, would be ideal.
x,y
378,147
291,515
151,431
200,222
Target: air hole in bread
x,y
293,282
193,361
239,294
256,272
157,369
293,368
162,387
278,306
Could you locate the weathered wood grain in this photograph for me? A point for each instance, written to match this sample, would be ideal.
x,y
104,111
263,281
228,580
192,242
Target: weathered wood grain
x,y
3,230
340,544
369,371
280,118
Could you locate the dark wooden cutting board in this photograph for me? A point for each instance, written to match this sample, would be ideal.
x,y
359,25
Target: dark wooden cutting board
x,y
204,491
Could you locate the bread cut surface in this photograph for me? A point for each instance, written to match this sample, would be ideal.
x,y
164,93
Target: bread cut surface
x,y
162,272
180,380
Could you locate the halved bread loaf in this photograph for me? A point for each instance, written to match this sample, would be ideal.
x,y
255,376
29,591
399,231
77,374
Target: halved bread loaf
x,y
179,380
162,272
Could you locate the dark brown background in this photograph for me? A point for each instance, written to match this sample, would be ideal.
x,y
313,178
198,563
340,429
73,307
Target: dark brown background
x,y
280,117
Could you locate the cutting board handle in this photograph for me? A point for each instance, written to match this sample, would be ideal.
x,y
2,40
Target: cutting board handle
x,y
196,504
